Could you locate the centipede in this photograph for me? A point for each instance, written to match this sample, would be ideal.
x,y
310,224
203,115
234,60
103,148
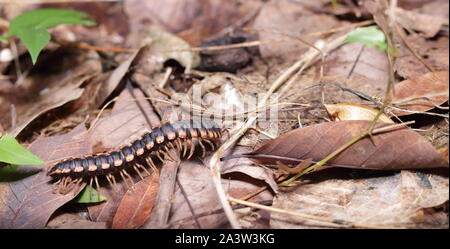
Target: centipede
x,y
184,136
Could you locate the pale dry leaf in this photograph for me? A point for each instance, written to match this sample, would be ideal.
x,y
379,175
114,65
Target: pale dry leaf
x,y
340,112
395,200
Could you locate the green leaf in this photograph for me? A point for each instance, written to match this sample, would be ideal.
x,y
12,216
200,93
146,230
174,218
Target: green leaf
x,y
34,41
369,36
6,171
47,18
12,152
89,195
31,27
12,173
3,39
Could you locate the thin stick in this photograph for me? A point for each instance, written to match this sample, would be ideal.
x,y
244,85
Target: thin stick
x,y
306,216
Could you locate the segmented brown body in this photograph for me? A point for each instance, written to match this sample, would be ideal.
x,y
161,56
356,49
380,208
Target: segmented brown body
x,y
179,134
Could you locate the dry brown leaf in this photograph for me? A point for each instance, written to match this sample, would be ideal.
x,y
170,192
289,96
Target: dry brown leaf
x,y
429,25
196,182
192,20
137,204
62,87
362,68
422,93
433,52
280,20
29,202
246,166
100,88
341,112
395,200
397,149
72,221
126,122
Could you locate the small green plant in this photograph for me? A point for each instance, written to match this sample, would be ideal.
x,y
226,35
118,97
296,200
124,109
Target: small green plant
x,y
89,195
14,153
31,27
369,36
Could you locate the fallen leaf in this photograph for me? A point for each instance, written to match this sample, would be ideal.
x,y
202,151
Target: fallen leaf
x,y
429,25
137,204
72,221
201,194
246,166
398,149
29,202
284,20
126,122
341,112
422,93
359,68
433,51
101,88
394,200
192,20
163,40
62,87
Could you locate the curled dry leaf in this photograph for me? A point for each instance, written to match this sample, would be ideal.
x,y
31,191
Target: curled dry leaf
x,y
422,93
246,166
102,87
398,149
341,112
137,204
29,202
167,41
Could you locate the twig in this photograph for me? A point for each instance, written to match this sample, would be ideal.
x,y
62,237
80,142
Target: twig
x,y
356,61
166,77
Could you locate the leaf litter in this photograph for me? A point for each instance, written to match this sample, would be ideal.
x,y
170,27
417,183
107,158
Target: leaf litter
x,y
402,186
